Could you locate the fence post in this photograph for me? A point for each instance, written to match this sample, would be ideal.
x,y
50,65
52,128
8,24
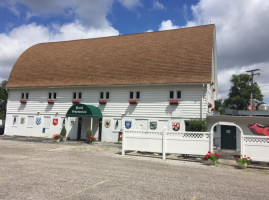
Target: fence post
x,y
164,142
242,149
122,143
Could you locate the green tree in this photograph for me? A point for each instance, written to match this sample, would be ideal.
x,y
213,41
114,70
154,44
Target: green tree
x,y
220,106
3,92
239,95
3,97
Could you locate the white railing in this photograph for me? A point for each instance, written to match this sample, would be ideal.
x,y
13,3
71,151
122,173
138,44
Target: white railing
x,y
256,147
197,143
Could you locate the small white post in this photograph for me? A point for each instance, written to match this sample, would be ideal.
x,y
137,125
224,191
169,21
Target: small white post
x,y
242,149
91,123
211,137
164,142
123,140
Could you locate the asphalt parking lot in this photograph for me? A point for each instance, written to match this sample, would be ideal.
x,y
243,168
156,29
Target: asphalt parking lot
x,y
33,169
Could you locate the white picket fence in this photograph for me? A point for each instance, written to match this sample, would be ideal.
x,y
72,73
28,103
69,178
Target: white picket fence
x,y
255,147
196,143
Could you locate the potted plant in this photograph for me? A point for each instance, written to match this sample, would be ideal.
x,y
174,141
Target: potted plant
x,y
102,101
212,158
56,137
243,162
63,134
90,139
133,101
173,102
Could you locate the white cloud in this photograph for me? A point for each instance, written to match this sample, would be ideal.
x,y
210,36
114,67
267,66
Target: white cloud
x,y
242,35
167,25
90,13
130,4
158,6
14,43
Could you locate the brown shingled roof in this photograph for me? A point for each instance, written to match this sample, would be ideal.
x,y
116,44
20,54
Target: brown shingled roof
x,y
174,56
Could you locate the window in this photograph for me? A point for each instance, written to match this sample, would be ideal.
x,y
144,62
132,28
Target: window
x,y
104,95
134,95
47,122
30,121
24,95
77,95
175,94
15,121
52,95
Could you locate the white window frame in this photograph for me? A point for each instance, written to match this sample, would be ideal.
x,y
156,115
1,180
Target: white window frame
x,y
17,118
48,117
175,94
24,95
77,96
52,96
135,95
104,95
30,126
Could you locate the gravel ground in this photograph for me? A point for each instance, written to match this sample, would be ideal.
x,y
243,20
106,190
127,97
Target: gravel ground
x,y
32,168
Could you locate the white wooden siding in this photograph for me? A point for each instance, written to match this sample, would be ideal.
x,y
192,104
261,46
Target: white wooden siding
x,y
153,104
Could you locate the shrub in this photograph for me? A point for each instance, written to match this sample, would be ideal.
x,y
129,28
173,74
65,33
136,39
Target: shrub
x,y
63,131
197,125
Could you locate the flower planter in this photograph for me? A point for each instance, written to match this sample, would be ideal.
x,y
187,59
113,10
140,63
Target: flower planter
x,y
57,140
23,101
63,139
242,165
133,101
173,102
210,162
51,101
75,101
102,101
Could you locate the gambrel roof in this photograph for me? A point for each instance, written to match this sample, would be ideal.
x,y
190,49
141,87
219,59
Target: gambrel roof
x,y
164,57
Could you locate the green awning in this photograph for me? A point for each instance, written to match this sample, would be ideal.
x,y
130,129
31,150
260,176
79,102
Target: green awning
x,y
82,110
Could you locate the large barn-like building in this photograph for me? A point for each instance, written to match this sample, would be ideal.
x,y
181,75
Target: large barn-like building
x,y
148,81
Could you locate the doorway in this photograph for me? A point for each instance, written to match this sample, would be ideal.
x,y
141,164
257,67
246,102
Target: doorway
x,y
228,137
79,128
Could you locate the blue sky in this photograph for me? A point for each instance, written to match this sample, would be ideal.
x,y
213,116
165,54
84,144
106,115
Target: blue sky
x,y
242,28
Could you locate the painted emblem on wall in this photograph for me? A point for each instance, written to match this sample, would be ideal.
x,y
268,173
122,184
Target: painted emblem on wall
x,y
128,124
38,120
22,120
153,125
72,121
55,121
107,123
176,126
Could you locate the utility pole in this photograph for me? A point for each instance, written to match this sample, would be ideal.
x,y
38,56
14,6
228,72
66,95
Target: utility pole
x,y
252,74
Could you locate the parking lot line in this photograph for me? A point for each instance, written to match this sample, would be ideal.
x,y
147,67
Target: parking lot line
x,y
90,187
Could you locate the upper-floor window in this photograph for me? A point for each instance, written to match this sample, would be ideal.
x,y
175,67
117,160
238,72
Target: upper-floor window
x,y
104,95
52,95
134,95
175,94
77,95
24,95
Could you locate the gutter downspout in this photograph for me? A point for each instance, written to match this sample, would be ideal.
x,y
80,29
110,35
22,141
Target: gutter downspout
x,y
202,102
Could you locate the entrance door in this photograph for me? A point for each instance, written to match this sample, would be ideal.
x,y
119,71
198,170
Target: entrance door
x,y
228,137
100,130
79,128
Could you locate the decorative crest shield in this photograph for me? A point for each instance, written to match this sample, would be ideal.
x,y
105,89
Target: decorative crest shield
x,y
128,124
72,121
107,123
153,125
55,121
38,120
176,126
